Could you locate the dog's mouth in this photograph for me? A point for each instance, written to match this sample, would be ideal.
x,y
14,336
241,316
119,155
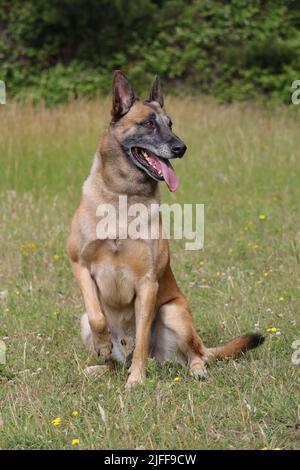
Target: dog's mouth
x,y
158,168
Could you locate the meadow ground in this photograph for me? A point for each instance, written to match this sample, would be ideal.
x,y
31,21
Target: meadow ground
x,y
243,164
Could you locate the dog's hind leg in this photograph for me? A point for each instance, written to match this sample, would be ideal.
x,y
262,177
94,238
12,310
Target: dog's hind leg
x,y
176,338
174,332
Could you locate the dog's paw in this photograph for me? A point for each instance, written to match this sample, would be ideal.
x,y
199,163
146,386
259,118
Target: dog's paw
x,y
103,346
135,378
198,371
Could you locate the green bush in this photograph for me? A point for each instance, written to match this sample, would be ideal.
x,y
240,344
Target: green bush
x,y
65,49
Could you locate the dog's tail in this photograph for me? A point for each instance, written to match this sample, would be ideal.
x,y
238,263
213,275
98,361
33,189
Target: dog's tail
x,y
237,346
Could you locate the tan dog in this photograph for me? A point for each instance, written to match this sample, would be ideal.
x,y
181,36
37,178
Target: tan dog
x,y
134,306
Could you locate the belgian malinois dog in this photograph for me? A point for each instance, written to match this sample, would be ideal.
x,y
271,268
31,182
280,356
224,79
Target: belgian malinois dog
x,y
134,308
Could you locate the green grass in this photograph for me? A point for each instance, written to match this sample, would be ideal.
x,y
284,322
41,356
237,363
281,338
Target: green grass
x,y
242,162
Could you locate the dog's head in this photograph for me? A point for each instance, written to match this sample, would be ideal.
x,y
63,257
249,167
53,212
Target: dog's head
x,y
144,132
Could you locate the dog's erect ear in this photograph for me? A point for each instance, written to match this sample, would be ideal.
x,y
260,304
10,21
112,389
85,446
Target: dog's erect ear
x,y
123,95
156,93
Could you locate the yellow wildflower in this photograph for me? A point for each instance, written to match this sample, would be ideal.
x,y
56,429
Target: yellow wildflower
x,y
272,330
27,248
176,379
56,422
75,413
56,257
266,274
32,246
75,442
281,299
264,448
262,217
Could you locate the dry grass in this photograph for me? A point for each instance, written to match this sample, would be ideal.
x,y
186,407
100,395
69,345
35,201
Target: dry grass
x,y
242,162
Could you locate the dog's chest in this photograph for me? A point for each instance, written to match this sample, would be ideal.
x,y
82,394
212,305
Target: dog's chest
x,y
115,284
117,270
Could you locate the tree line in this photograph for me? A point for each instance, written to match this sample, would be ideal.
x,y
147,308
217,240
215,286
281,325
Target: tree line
x,y
233,50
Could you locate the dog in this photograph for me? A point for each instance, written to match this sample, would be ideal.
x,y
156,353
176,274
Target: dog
x,y
134,307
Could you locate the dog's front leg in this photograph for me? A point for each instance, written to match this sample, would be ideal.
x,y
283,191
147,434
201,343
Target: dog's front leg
x,y
144,312
101,337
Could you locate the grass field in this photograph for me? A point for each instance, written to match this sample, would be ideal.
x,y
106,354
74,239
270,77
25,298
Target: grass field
x,y
243,163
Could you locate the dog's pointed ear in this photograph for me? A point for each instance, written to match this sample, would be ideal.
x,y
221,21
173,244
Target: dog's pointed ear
x,y
156,93
123,95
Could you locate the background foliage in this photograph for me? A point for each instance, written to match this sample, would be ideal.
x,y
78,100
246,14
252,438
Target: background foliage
x,y
68,48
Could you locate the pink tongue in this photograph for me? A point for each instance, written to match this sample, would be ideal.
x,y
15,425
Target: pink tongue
x,y
169,175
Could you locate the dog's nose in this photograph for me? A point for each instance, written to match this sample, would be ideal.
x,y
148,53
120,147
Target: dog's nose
x,y
179,150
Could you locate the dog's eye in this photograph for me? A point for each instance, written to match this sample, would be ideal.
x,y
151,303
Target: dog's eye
x,y
150,123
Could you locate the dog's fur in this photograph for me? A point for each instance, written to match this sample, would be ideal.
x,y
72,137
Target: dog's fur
x,y
134,307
